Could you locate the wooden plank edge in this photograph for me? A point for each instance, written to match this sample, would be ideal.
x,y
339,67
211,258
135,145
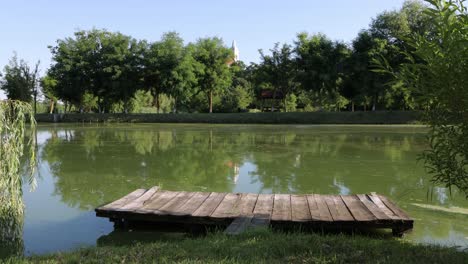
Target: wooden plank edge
x,y
395,208
129,195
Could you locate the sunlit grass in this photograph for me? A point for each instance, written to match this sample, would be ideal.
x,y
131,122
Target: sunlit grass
x,y
261,246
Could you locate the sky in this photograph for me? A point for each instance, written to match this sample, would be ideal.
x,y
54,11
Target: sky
x,y
29,27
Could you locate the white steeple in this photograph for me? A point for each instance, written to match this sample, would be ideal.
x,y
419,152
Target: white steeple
x,y
235,50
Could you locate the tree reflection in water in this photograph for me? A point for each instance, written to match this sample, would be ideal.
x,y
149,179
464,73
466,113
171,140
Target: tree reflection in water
x,y
95,165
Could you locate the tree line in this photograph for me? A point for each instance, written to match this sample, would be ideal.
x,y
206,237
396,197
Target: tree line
x,y
102,71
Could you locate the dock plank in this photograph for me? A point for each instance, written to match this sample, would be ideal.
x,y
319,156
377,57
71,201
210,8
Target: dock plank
x,y
240,212
158,200
115,205
239,225
227,205
300,208
193,204
209,205
393,207
281,208
318,208
373,208
358,210
376,200
140,201
337,208
175,203
246,204
264,206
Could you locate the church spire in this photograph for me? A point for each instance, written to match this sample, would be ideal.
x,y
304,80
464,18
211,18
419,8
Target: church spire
x,y
235,50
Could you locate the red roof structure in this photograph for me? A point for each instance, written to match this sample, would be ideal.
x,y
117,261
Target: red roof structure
x,y
269,94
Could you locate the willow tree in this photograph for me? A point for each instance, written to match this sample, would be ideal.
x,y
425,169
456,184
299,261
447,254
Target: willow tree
x,y
13,148
436,68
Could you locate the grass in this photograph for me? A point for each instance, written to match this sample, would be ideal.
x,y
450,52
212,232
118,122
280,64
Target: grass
x,y
378,117
260,246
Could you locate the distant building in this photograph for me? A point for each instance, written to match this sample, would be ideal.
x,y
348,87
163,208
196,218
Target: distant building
x,y
235,50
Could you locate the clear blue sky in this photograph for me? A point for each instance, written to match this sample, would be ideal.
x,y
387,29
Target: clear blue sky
x,y
28,27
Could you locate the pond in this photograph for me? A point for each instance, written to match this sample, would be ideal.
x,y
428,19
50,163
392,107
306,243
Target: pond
x,y
84,166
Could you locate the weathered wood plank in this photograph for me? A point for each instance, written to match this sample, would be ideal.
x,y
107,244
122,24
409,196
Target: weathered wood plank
x,y
264,206
281,208
139,202
238,225
158,200
337,208
357,208
382,206
243,223
246,204
226,207
260,220
318,208
374,209
300,208
192,204
393,207
115,205
174,204
209,205
252,210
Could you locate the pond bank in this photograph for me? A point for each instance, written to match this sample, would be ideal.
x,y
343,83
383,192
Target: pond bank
x,y
377,117
262,246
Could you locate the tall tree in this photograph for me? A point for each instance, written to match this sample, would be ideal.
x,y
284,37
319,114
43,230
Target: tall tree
x,y
278,69
102,63
49,85
320,66
389,31
20,81
239,95
364,86
167,67
212,70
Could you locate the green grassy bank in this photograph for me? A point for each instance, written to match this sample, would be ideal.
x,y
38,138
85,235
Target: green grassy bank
x,y
378,117
261,246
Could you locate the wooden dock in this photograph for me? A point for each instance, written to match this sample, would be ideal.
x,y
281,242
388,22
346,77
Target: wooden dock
x,y
239,211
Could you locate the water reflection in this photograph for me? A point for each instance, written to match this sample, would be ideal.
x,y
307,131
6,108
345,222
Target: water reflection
x,y
86,166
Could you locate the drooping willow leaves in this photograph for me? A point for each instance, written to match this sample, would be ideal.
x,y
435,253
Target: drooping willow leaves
x,y
17,142
436,67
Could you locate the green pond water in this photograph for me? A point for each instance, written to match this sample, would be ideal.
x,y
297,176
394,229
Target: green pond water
x,y
84,166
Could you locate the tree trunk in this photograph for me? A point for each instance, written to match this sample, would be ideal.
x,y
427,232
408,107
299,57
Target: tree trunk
x,y
66,104
52,104
273,102
175,105
374,102
35,102
284,102
352,106
211,101
156,103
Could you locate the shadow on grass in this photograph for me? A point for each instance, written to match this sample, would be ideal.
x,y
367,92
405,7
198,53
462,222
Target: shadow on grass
x,y
151,233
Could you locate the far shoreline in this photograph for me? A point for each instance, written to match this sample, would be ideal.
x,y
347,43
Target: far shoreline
x,y
298,118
